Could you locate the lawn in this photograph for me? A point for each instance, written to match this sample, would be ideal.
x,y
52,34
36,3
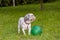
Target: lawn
x,y
49,20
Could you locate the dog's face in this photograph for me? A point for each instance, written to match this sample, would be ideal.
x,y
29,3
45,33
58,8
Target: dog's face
x,y
30,17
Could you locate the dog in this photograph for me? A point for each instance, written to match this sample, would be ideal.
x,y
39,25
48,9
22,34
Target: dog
x,y
25,23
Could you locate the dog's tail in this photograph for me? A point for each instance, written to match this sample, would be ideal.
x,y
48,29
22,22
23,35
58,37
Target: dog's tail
x,y
19,26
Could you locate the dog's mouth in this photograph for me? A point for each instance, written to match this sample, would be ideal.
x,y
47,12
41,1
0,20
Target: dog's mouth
x,y
32,20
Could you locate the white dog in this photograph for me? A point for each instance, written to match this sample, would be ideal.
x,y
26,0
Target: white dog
x,y
25,23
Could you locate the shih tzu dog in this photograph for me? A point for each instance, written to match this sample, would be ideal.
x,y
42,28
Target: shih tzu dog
x,y
25,23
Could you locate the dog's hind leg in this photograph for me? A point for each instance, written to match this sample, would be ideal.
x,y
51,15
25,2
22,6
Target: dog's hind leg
x,y
18,26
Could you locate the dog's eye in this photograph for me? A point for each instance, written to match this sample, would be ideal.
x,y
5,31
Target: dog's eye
x,y
30,16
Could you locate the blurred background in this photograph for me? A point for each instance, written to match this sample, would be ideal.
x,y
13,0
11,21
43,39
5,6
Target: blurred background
x,y
4,3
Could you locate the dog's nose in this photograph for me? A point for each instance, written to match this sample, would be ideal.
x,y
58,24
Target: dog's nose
x,y
31,19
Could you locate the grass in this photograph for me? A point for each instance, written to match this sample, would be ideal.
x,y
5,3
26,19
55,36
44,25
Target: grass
x,y
49,20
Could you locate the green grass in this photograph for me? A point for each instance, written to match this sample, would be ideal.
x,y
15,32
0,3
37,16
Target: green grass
x,y
49,20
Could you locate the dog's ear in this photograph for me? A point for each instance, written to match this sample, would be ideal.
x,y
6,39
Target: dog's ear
x,y
26,17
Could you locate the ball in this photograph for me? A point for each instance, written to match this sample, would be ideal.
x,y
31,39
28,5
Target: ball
x,y
36,30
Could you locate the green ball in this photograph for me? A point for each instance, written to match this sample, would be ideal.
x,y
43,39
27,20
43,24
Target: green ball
x,y
36,30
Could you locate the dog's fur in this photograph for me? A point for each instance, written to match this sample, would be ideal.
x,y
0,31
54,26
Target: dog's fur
x,y
25,23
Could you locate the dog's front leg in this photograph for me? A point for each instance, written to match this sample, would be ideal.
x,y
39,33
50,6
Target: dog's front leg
x,y
23,31
29,29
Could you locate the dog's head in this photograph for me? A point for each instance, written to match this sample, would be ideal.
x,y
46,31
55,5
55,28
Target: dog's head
x,y
30,17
